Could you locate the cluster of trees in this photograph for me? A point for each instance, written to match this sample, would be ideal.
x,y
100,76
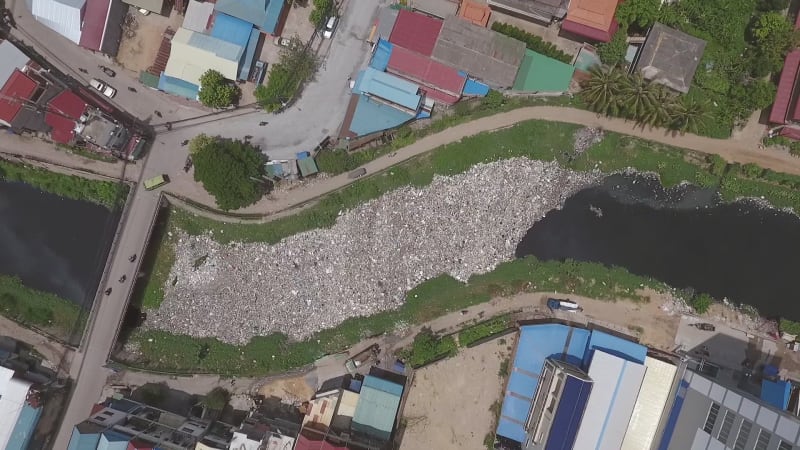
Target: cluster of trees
x,y
230,170
320,12
296,65
532,41
613,92
216,91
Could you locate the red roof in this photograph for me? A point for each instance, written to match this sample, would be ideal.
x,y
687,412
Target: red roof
x,y
304,443
64,104
783,97
416,31
96,408
139,445
423,70
590,32
19,87
94,24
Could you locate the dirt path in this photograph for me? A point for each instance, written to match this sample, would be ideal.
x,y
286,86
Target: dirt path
x,y
51,351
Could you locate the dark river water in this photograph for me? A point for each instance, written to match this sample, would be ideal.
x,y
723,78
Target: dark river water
x,y
683,236
53,244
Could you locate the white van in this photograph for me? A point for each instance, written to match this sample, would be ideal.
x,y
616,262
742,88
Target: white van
x,y
329,27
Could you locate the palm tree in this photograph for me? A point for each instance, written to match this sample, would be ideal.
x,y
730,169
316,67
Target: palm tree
x,y
688,114
657,114
602,92
638,97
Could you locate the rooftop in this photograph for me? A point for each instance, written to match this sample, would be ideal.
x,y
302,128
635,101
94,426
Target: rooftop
x,y
377,407
65,109
388,87
593,19
786,84
94,24
65,17
230,29
483,53
198,16
12,58
670,57
264,14
542,10
387,17
539,73
13,393
194,53
416,31
427,72
473,12
16,90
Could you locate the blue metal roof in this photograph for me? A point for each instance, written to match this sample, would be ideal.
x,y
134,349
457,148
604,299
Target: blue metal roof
x,y
569,414
473,87
249,54
380,59
388,87
577,346
383,385
614,345
23,430
776,393
264,14
176,86
223,49
83,441
371,117
113,440
231,29
510,429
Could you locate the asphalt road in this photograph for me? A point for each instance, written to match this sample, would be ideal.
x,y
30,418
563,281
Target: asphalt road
x,y
315,115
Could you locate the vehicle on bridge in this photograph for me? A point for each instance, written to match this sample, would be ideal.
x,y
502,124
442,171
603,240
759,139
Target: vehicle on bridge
x,y
155,182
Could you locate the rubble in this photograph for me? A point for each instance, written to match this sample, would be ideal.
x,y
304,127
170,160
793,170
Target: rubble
x,y
585,138
460,225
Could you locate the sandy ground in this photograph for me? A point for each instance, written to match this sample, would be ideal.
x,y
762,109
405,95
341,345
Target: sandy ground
x,y
444,411
295,388
139,52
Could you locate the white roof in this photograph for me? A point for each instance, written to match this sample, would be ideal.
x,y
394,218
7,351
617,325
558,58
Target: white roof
x,y
650,404
194,53
610,405
12,58
240,441
13,393
61,16
197,15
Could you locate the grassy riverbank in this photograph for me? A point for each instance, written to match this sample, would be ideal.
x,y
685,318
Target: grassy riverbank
x,y
43,310
163,351
106,193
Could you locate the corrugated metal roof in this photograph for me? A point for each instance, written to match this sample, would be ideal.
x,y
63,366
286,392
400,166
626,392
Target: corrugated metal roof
x,y
594,14
776,393
249,54
588,32
112,440
231,29
383,385
387,17
198,15
416,32
194,53
94,24
380,58
476,13
388,87
370,117
13,393
568,415
307,166
85,436
475,88
15,91
67,103
610,406
375,413
615,345
424,70
23,431
786,86
539,73
261,13
12,58
650,404
272,16
62,16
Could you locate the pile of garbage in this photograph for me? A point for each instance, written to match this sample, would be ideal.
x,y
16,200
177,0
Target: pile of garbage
x,y
585,138
367,261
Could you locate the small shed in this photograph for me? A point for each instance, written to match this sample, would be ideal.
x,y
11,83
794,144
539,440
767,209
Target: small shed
x,y
539,73
776,393
377,408
306,164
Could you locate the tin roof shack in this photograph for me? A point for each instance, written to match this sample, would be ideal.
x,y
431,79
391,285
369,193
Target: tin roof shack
x,y
439,81
102,131
306,164
539,73
482,53
380,101
670,57
376,412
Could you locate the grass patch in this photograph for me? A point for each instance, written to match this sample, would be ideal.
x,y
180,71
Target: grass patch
x,y
483,330
41,309
157,262
106,193
86,153
428,348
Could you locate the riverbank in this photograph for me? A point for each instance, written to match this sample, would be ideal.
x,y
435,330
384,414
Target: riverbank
x,y
106,193
47,312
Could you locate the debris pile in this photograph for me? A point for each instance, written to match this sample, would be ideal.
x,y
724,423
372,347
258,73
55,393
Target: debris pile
x,y
365,263
585,138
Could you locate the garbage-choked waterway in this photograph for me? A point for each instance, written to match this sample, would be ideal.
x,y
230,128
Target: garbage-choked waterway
x,y
54,244
684,236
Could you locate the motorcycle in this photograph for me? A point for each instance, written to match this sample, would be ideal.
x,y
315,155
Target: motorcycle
x,y
261,124
122,279
108,291
132,258
108,71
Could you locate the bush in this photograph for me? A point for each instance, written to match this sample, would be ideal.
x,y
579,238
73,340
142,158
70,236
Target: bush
x,y
613,53
217,399
532,42
216,91
789,326
320,12
296,65
427,348
717,165
493,101
483,330
701,302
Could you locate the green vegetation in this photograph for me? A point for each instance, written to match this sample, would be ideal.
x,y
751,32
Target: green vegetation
x,y
427,348
230,170
297,64
468,336
532,41
105,193
792,145
217,399
216,91
41,309
701,302
613,53
791,327
320,12
86,153
638,13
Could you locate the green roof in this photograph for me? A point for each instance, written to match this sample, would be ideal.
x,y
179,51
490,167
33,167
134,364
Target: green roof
x,y
307,166
375,413
538,73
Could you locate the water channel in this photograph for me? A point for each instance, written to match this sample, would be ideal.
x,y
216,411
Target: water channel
x,y
54,244
684,236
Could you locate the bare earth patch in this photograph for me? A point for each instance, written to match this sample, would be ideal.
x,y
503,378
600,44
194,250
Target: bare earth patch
x,y
449,404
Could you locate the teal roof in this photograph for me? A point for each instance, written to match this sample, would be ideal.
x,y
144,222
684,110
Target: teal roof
x,y
222,49
23,430
231,29
371,117
376,410
249,54
539,73
388,87
307,166
176,86
112,440
85,436
264,14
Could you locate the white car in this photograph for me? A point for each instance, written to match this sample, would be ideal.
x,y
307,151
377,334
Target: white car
x,y
103,87
329,27
282,41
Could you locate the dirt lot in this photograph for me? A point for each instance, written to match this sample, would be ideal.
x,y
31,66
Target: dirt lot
x,y
295,388
139,52
449,404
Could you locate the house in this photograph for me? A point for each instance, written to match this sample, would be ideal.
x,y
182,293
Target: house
x,y
591,20
15,93
544,11
13,59
438,81
670,57
380,101
376,412
63,111
92,24
266,15
192,55
416,32
785,110
19,410
198,16
474,12
65,17
542,74
482,53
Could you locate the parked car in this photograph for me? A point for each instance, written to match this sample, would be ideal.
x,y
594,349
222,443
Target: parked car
x,y
103,87
282,41
565,305
705,326
330,26
155,182
144,12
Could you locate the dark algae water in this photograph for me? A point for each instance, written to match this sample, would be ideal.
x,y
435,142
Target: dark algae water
x,y
684,236
54,244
